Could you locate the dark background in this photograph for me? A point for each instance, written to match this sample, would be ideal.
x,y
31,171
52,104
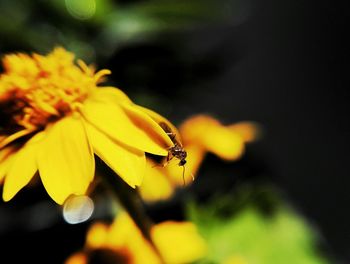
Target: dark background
x,y
290,72
293,78
283,64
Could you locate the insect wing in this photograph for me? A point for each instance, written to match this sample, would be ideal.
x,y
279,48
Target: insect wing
x,y
170,133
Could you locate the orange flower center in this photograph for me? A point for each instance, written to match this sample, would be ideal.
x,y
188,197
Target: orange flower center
x,y
36,90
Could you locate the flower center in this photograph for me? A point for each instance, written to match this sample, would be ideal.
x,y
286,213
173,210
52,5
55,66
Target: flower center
x,y
36,90
38,106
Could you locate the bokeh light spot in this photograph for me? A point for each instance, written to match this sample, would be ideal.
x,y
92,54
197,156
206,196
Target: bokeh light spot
x,y
81,9
77,209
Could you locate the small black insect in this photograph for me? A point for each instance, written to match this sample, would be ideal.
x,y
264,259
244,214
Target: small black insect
x,y
177,151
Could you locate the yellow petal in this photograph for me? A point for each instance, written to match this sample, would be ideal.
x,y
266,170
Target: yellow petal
x,y
125,236
97,236
23,167
249,131
77,258
194,128
128,163
66,162
155,185
223,143
179,242
121,230
207,132
158,118
114,122
139,115
6,158
110,94
21,64
7,140
145,122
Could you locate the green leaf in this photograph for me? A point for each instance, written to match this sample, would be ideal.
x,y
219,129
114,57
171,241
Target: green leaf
x,y
239,228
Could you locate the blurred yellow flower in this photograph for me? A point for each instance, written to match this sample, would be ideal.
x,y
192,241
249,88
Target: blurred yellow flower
x,y
54,119
200,134
177,242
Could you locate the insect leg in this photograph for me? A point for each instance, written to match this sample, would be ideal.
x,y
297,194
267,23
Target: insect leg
x,y
168,158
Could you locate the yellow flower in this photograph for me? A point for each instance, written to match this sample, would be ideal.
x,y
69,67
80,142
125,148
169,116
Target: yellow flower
x,y
54,118
177,242
200,134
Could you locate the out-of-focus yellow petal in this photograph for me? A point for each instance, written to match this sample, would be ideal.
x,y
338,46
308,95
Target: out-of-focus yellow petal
x,y
77,258
195,156
6,157
127,162
124,234
114,122
97,236
23,168
158,118
207,132
110,94
142,252
249,131
66,162
121,230
179,242
223,143
156,185
195,128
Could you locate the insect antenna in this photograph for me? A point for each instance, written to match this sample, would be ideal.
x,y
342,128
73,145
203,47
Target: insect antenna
x,y
183,174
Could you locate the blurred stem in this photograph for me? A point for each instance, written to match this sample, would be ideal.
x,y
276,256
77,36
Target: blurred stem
x,y
130,199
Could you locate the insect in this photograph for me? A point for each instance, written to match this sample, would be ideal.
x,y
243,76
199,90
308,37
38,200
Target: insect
x,y
177,151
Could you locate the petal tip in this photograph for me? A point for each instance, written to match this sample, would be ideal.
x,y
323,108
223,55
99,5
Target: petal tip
x,y
6,197
7,194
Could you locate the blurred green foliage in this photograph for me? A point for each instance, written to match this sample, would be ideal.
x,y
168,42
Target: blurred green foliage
x,y
243,229
95,29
